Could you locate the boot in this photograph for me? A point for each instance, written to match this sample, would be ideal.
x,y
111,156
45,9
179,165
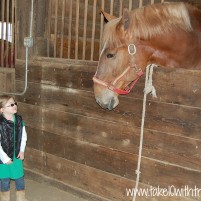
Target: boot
x,y
5,196
20,196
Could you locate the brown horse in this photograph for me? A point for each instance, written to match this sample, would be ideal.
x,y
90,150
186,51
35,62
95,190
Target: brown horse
x,y
167,34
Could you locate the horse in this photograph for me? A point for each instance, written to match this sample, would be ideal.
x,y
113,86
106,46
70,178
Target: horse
x,y
164,34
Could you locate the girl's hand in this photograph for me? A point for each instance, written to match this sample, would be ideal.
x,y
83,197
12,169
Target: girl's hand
x,y
9,162
21,155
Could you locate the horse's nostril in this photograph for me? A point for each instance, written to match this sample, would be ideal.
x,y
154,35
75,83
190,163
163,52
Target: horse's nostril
x,y
111,104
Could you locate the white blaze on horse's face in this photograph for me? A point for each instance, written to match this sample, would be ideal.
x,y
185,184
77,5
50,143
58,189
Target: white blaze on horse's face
x,y
113,74
111,64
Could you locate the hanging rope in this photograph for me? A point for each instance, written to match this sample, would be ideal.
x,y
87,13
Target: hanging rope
x,y
149,88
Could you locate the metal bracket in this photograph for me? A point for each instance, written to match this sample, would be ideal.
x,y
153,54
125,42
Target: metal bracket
x,y
28,42
131,49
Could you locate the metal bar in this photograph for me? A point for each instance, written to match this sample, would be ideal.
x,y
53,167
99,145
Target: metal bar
x,y
140,3
55,27
49,27
62,28
93,29
26,63
2,32
130,5
13,35
69,27
77,29
101,24
120,7
111,7
7,49
85,30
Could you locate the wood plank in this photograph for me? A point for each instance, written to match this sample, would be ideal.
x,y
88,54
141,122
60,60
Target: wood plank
x,y
81,176
167,82
178,86
122,163
167,118
75,120
7,80
166,148
61,74
67,123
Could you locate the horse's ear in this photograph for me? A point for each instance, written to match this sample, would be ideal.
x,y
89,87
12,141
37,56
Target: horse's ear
x,y
107,16
126,18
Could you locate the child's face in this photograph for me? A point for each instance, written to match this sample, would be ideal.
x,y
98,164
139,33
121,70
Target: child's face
x,y
10,107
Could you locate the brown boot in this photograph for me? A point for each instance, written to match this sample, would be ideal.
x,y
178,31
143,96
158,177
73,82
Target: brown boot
x,y
5,196
20,196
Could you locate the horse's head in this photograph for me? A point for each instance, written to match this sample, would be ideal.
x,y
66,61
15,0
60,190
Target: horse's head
x,y
117,71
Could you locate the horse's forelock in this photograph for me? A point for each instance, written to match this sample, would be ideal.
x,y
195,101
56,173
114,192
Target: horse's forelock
x,y
110,35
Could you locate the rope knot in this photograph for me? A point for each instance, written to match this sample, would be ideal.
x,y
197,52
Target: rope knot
x,y
149,88
137,172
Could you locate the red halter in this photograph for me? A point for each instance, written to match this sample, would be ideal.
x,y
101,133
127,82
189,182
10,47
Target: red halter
x,y
112,86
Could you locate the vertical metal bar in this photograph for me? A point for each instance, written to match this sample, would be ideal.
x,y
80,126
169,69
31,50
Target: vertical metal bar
x,y
69,27
85,30
77,29
130,5
152,1
140,3
7,49
93,29
120,7
2,32
49,27
13,35
111,7
55,28
62,27
101,24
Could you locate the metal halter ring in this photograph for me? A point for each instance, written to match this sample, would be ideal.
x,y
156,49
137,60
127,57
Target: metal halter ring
x,y
131,49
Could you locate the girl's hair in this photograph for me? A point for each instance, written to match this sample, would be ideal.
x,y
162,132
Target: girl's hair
x,y
4,99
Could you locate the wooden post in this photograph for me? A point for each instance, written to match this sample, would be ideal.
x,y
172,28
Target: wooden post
x,y
23,9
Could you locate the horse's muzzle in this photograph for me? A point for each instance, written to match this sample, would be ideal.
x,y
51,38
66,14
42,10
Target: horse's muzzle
x,y
112,103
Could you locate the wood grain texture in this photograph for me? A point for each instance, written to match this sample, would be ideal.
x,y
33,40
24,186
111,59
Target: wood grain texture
x,y
66,127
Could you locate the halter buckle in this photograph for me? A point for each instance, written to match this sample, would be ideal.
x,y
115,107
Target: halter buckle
x,y
131,49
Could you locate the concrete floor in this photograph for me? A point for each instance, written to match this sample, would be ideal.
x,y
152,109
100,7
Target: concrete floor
x,y
41,191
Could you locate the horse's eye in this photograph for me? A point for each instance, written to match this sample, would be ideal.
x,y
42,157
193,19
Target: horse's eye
x,y
109,55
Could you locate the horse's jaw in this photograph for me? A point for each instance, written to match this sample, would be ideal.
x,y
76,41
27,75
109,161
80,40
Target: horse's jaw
x,y
107,99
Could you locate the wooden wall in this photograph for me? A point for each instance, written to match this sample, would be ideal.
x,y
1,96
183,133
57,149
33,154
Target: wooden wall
x,y
73,140
7,80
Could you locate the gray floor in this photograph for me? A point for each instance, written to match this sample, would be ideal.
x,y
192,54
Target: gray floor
x,y
40,191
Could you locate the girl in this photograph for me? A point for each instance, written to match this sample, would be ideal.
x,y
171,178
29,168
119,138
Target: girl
x,y
13,139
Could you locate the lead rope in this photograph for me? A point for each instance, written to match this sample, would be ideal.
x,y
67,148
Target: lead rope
x,y
149,88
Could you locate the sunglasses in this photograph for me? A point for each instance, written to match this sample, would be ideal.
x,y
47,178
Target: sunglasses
x,y
12,105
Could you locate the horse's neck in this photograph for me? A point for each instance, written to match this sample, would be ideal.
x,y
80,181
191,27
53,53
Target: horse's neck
x,y
171,51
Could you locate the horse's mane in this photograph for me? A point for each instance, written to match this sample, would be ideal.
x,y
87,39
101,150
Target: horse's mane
x,y
152,20
159,19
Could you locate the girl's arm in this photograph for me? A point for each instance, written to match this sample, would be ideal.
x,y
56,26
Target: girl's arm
x,y
3,156
24,140
23,144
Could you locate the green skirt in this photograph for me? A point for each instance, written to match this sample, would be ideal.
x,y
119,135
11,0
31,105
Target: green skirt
x,y
12,171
